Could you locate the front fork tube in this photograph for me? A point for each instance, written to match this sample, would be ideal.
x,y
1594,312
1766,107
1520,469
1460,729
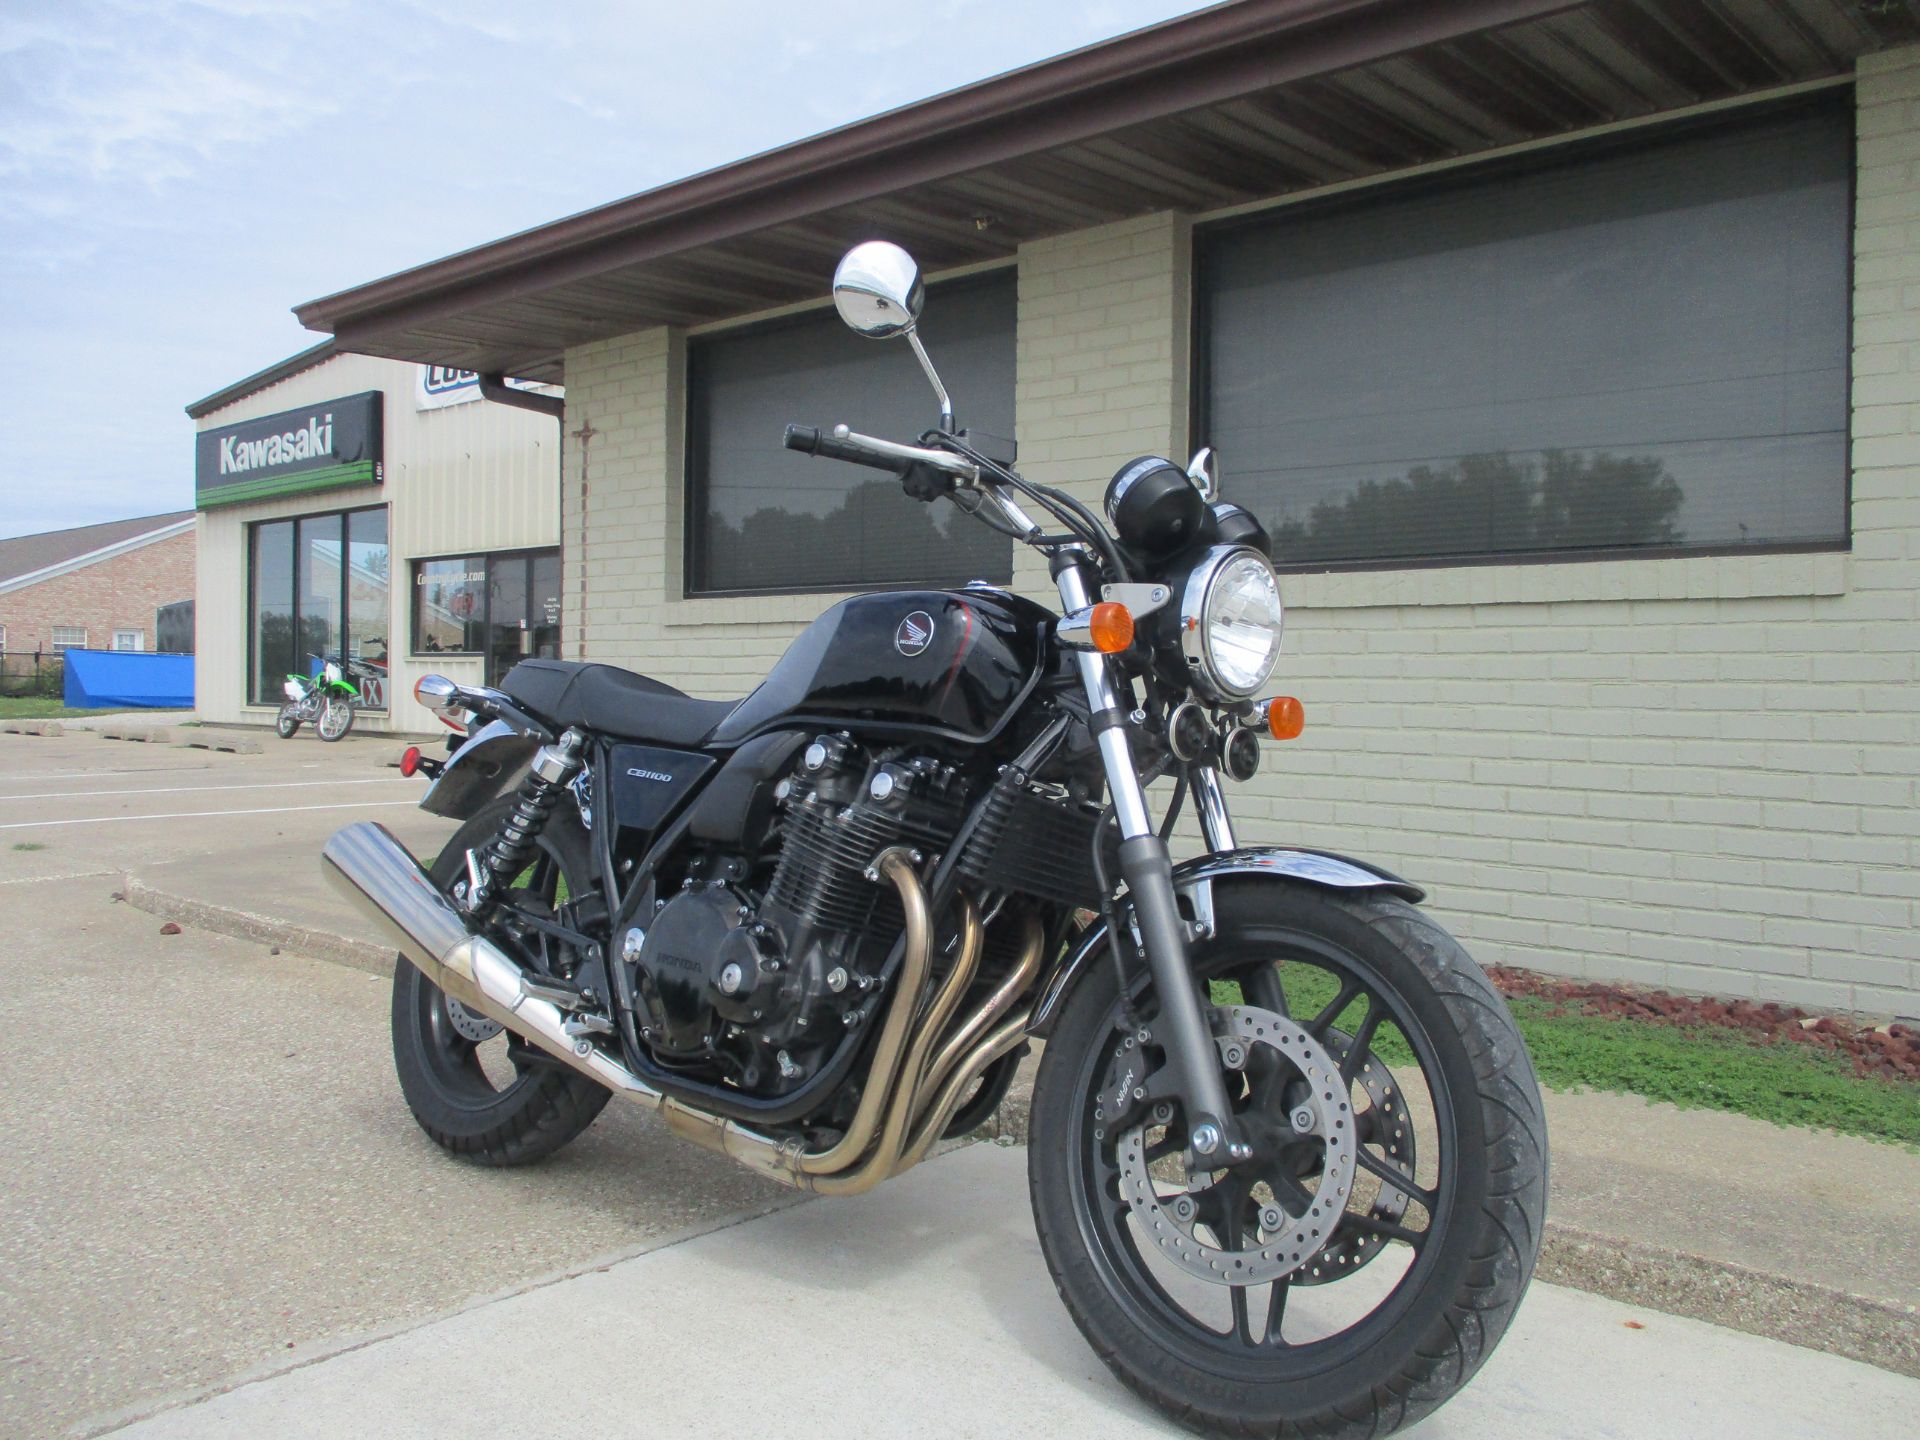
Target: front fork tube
x,y
1212,1134
1216,825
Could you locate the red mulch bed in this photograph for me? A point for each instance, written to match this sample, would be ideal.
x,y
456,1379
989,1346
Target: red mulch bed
x,y
1892,1053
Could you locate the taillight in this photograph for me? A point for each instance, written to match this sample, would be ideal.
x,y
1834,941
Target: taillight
x,y
410,761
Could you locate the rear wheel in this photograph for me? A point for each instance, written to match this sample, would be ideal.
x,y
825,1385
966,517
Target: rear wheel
x,y
1356,1272
287,721
472,1087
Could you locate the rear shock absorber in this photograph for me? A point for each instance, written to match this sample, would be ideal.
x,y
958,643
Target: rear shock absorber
x,y
493,867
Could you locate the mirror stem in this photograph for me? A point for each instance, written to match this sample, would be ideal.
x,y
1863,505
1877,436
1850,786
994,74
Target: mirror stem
x,y
933,378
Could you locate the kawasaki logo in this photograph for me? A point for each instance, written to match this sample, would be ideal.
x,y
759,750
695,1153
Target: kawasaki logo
x,y
238,456
322,445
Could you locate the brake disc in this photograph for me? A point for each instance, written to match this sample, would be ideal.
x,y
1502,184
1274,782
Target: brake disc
x,y
1392,1130
470,1024
1280,1248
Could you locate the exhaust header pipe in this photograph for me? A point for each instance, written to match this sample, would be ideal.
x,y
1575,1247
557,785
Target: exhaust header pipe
x,y
388,885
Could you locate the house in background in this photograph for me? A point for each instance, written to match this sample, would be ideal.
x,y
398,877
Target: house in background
x,y
98,587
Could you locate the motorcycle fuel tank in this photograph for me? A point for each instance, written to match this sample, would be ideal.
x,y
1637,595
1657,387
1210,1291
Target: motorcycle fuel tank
x,y
946,661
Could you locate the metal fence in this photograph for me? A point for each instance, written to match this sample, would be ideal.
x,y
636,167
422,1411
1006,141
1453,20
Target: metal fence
x,y
32,672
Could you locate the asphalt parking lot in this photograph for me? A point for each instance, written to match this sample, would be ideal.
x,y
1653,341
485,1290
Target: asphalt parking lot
x,y
237,830
214,1189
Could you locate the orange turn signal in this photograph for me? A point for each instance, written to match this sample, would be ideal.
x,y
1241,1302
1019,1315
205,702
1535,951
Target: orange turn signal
x,y
1110,627
1285,718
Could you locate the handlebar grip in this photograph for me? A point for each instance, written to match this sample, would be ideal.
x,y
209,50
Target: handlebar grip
x,y
810,441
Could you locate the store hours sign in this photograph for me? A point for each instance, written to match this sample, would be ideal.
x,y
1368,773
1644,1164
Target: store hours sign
x,y
324,446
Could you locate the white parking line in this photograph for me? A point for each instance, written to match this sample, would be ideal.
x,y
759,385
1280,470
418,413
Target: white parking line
x,y
35,779
202,789
203,814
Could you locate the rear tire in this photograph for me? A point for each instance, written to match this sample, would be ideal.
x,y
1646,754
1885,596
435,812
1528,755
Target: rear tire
x,y
464,1112
1416,1346
287,721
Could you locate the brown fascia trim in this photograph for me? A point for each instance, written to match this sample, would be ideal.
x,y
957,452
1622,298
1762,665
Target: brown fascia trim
x,y
1205,58
261,379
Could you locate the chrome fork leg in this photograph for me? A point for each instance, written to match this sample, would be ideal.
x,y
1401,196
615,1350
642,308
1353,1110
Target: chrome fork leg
x,y
1216,824
1144,862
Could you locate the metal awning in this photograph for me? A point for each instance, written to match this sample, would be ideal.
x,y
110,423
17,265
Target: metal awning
x,y
1241,102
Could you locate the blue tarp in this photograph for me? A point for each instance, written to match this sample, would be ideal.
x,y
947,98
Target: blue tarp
x,y
98,678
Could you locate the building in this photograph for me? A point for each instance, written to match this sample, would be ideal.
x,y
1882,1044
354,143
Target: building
x,y
376,509
97,587
1570,350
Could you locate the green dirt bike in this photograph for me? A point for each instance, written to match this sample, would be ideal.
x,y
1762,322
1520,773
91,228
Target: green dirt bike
x,y
325,700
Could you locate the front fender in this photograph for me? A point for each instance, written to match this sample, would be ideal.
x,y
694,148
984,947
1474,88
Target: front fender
x,y
488,765
1193,882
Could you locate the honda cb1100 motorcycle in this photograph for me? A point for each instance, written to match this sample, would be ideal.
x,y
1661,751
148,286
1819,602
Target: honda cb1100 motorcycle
x,y
1288,1162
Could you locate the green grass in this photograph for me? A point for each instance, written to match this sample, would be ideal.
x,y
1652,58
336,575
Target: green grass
x,y
1706,1067
561,892
29,845
45,707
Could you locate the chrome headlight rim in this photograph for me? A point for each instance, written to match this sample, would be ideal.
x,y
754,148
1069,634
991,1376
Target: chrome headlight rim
x,y
1196,634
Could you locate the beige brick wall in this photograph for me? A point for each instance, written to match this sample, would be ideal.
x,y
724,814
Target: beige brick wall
x,y
119,593
1698,773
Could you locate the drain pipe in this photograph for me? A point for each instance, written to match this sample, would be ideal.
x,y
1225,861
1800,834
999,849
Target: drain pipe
x,y
496,389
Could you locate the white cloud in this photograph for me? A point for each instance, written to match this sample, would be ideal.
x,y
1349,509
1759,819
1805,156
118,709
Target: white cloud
x,y
177,173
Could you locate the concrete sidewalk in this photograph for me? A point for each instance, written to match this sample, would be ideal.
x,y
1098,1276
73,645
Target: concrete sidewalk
x,y
925,1309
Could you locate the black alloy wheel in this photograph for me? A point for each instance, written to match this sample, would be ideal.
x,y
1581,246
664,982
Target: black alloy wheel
x,y
1390,1215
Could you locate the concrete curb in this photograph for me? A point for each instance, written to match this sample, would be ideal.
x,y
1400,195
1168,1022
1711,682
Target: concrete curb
x,y
213,740
46,729
1777,1307
245,925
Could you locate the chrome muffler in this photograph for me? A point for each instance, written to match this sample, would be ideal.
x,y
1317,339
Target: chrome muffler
x,y
382,878
388,885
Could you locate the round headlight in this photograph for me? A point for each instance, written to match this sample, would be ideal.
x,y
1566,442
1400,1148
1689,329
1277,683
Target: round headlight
x,y
1230,622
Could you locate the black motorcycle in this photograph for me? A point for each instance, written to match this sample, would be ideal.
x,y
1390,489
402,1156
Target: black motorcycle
x,y
1288,1161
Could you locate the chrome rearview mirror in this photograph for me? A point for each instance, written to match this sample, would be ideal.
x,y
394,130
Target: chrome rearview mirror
x,y
1204,471
877,290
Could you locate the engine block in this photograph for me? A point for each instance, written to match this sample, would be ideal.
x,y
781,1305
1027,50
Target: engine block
x,y
766,986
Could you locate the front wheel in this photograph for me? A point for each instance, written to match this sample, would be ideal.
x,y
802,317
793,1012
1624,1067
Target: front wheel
x,y
1352,1275
336,717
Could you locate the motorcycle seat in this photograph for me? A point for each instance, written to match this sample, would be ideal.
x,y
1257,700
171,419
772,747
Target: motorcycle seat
x,y
613,701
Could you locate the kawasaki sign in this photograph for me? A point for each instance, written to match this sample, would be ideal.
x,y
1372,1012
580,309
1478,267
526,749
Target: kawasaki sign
x,y
317,447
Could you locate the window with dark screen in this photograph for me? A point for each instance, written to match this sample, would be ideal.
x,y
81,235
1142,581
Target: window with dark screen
x,y
762,518
1634,346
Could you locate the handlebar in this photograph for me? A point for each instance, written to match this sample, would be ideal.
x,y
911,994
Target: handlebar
x,y
889,455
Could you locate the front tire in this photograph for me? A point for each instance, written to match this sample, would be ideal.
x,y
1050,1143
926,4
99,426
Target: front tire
x,y
1453,1263
336,718
474,1092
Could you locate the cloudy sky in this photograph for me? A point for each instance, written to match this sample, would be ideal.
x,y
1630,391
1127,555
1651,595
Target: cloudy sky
x,y
176,174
